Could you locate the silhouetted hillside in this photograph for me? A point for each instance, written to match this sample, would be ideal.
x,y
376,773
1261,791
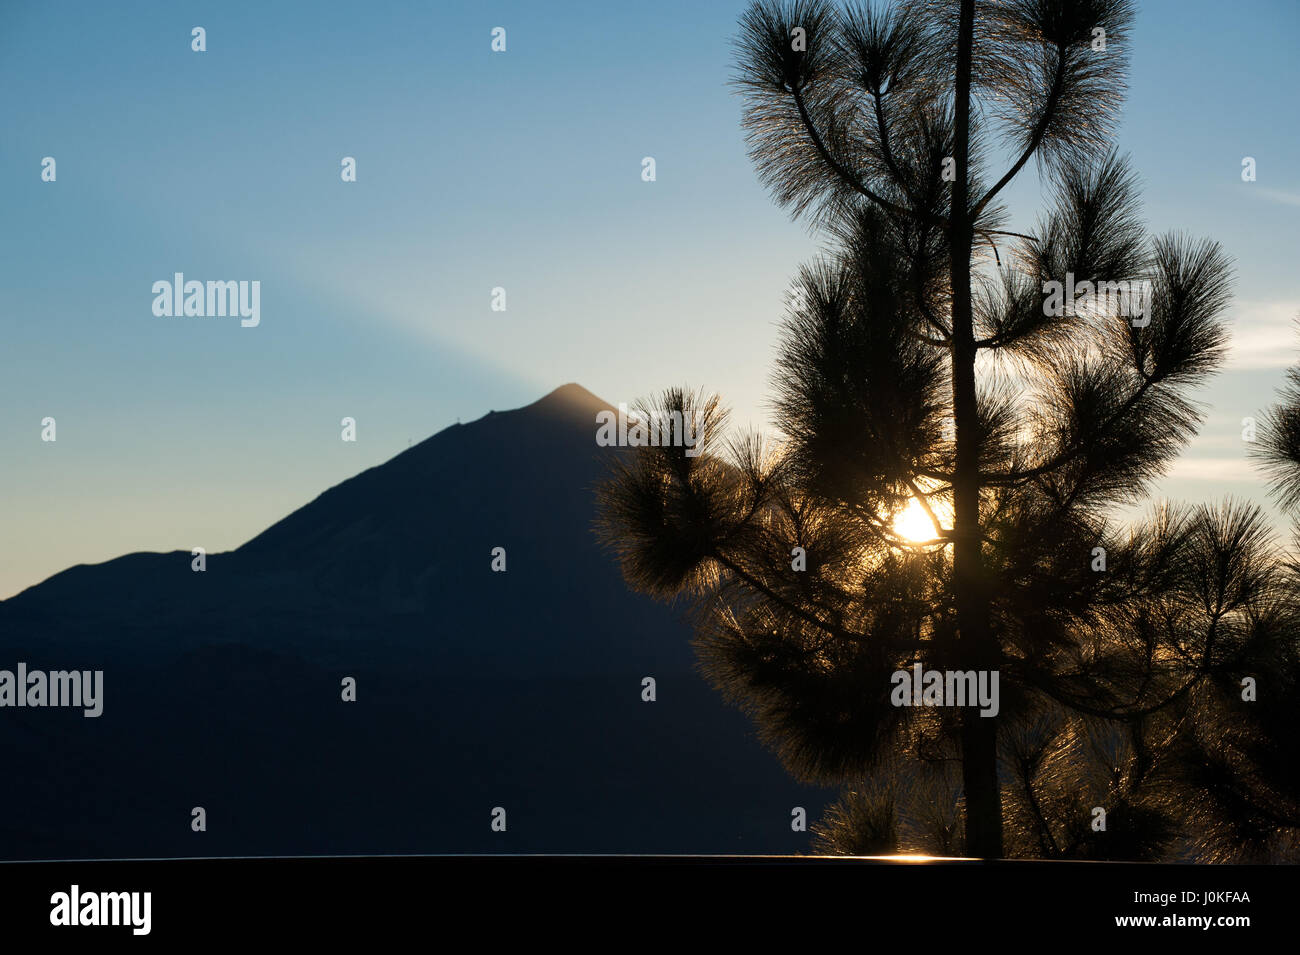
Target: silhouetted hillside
x,y
474,689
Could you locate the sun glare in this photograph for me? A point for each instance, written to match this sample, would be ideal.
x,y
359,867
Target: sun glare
x,y
913,524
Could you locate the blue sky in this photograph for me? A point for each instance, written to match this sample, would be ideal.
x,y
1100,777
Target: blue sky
x,y
475,170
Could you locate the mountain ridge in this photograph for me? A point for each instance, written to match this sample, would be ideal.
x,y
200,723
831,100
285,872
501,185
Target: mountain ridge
x,y
565,398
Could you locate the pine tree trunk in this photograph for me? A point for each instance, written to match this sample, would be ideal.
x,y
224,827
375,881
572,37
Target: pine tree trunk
x,y
977,648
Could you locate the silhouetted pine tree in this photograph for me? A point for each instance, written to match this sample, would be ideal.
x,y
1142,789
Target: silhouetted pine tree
x,y
920,368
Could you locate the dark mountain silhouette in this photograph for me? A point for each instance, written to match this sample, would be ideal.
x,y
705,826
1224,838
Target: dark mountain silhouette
x,y
474,689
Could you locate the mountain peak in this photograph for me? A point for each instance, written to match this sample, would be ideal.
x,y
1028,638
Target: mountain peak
x,y
571,395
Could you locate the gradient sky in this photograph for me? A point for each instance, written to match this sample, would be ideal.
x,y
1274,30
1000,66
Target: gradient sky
x,y
475,170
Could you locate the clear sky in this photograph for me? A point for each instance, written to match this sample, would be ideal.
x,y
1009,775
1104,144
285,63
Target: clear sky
x,y
475,170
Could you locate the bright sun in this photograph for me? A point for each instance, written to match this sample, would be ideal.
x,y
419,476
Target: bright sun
x,y
913,524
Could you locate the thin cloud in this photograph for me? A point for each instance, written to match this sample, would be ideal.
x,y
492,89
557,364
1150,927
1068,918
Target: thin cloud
x,y
1277,195
1264,335
1237,469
